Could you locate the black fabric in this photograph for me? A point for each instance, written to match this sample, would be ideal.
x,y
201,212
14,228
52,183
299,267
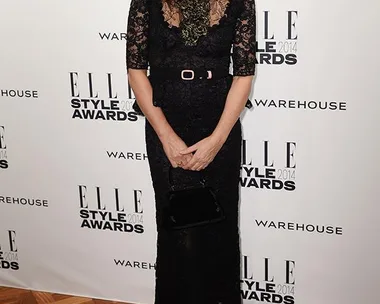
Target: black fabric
x,y
136,106
197,73
199,265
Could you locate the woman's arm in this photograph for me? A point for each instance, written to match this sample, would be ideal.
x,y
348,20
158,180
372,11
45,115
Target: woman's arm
x,y
235,103
244,63
137,61
142,89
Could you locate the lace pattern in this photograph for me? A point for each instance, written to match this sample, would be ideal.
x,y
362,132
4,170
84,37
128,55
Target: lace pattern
x,y
137,46
193,17
244,42
195,14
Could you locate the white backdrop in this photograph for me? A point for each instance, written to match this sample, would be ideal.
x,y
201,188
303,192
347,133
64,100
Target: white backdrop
x,y
309,223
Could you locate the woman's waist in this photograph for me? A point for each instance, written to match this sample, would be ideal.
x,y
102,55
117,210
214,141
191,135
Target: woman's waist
x,y
188,74
167,90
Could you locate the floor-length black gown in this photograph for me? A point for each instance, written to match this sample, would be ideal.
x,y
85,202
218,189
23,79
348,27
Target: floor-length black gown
x,y
197,265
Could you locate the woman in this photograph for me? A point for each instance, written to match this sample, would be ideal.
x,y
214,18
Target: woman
x,y
192,107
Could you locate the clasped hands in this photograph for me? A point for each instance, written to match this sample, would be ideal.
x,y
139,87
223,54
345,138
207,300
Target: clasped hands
x,y
196,157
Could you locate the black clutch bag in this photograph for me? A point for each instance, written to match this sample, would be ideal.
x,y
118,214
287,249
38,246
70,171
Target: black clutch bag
x,y
191,207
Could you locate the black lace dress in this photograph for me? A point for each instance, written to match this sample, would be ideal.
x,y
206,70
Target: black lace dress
x,y
198,265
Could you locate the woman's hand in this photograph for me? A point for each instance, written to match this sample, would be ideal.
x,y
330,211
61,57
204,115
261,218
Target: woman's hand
x,y
172,145
205,152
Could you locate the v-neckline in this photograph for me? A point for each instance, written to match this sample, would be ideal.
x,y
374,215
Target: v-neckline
x,y
175,28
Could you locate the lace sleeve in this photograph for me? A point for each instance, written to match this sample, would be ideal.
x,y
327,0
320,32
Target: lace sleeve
x,y
137,47
244,42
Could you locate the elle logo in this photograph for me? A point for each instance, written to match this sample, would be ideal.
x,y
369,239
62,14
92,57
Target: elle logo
x,y
3,151
8,254
89,103
114,198
116,218
290,26
275,285
266,161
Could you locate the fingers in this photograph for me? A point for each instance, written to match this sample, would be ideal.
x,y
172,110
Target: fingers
x,y
180,161
196,163
173,163
199,167
186,159
193,160
190,149
201,163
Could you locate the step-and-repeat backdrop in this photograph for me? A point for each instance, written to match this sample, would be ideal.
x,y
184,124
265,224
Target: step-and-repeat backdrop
x,y
76,200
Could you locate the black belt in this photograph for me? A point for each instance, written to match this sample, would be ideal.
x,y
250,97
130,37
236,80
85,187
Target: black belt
x,y
188,74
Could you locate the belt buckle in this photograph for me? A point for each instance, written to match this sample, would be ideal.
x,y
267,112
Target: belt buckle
x,y
187,78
